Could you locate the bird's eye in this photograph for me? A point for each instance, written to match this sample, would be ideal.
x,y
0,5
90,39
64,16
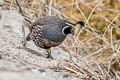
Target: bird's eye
x,y
66,30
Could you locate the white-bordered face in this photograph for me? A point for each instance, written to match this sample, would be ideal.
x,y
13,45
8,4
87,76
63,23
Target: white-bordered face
x,y
68,29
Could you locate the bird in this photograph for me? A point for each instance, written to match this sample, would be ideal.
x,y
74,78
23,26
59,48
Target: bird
x,y
50,31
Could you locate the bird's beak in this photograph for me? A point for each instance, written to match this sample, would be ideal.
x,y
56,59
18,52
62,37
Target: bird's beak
x,y
72,31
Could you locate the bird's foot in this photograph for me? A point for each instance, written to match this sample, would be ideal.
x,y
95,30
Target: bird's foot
x,y
49,56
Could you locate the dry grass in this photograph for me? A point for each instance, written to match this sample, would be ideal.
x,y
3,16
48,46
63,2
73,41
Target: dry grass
x,y
95,50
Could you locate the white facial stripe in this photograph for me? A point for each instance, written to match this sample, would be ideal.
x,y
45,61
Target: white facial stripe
x,y
69,24
64,29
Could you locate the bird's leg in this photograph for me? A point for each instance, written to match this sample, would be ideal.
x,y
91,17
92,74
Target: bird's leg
x,y
49,53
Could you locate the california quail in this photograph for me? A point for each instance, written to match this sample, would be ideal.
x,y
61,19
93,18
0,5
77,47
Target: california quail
x,y
50,31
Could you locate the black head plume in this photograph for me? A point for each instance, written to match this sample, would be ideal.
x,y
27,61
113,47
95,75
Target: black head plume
x,y
81,23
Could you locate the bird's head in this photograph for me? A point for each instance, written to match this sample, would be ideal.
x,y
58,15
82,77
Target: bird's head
x,y
69,27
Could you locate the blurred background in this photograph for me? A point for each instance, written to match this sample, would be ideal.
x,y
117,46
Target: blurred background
x,y
97,45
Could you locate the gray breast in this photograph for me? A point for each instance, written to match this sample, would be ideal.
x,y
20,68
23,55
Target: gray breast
x,y
52,32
